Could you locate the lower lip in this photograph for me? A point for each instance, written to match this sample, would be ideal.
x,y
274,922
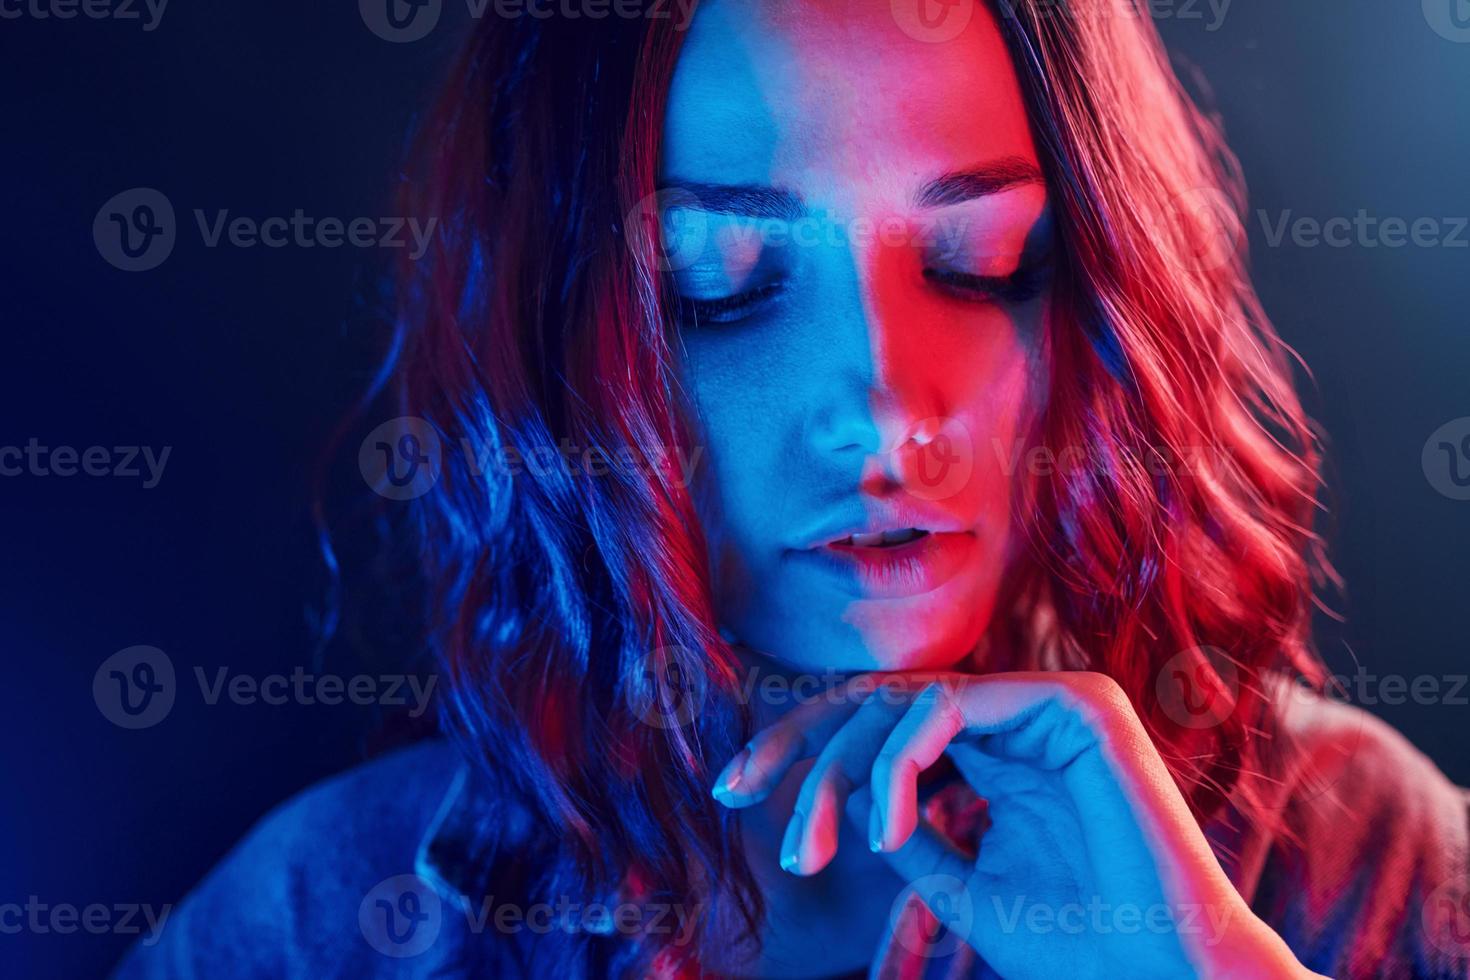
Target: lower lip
x,y
899,571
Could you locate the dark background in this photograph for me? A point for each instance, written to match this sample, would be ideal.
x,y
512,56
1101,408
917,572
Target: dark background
x,y
244,360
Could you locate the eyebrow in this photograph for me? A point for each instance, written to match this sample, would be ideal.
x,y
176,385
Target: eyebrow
x,y
988,178
955,187
748,200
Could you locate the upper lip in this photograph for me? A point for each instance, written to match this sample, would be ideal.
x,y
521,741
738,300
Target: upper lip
x,y
885,518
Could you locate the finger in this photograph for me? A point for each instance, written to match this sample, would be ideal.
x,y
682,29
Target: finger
x,y
1048,720
941,875
916,741
758,769
1079,725
844,763
927,854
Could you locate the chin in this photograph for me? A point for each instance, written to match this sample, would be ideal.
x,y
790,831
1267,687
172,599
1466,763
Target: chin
x,y
936,631
915,640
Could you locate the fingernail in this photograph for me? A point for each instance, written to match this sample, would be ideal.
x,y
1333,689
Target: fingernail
x,y
729,781
791,844
875,828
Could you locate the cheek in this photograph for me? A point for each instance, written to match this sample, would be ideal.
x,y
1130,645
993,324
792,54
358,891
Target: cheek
x,y
754,388
999,413
747,421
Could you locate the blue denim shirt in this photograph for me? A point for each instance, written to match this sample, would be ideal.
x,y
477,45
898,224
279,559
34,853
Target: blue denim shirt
x,y
369,875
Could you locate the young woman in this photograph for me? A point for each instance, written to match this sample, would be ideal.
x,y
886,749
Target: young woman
x,y
923,583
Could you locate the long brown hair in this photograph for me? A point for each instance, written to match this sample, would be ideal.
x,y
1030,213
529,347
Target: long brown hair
x,y
558,603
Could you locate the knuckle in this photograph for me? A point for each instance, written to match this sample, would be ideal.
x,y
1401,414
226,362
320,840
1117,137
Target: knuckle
x,y
1093,690
938,699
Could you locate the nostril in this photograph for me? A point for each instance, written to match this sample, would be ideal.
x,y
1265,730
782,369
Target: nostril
x,y
923,433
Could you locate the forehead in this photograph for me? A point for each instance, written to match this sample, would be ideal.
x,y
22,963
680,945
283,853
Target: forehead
x,y
825,95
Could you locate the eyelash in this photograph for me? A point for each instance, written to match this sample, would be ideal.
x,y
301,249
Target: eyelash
x,y
1021,286
697,311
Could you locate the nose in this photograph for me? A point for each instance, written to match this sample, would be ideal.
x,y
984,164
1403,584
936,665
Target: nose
x,y
884,392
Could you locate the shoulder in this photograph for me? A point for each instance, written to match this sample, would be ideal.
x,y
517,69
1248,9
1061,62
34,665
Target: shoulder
x,y
1346,767
1371,835
286,899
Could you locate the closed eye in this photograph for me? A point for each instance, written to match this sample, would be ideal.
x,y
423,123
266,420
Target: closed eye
x,y
725,309
1021,286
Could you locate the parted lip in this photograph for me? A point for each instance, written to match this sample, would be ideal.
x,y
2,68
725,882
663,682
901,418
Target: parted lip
x,y
878,520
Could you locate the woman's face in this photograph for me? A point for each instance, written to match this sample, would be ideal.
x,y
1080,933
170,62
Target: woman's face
x,y
858,229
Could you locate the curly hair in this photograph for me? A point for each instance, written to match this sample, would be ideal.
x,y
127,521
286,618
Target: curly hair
x,y
539,318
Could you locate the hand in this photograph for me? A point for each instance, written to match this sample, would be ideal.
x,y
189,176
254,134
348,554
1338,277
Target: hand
x,y
1086,823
